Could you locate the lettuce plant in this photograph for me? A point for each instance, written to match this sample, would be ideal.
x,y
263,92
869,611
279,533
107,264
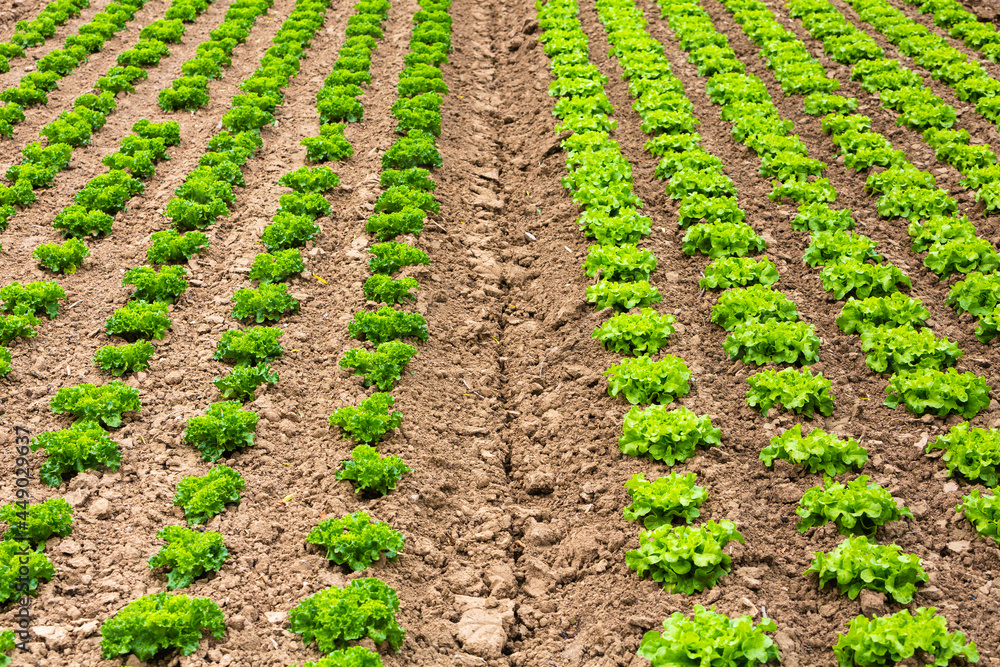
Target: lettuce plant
x,y
383,289
370,420
661,501
356,541
625,263
830,247
170,246
665,435
858,508
372,473
383,367
37,522
7,644
715,638
757,342
939,229
413,178
927,390
189,554
698,208
626,227
727,272
289,231
642,380
858,563
983,511
14,583
850,276
392,256
224,427
152,286
894,310
364,608
204,497
886,640
62,258
978,294
400,197
905,348
269,301
121,359
684,559
277,267
5,361
795,389
622,296
386,324
819,217
104,404
17,326
251,346
757,302
387,226
139,319
821,104
963,255
83,446
76,222
309,204
417,149
160,621
352,656
723,239
329,146
639,333
818,451
242,382
972,452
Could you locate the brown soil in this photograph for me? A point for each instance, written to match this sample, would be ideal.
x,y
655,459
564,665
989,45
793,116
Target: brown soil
x,y
512,514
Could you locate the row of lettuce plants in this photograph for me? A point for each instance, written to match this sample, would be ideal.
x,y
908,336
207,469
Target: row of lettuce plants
x,y
877,320
949,239
226,425
72,129
180,620
190,90
60,63
952,17
888,325
599,177
353,540
36,31
970,453
919,361
858,507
